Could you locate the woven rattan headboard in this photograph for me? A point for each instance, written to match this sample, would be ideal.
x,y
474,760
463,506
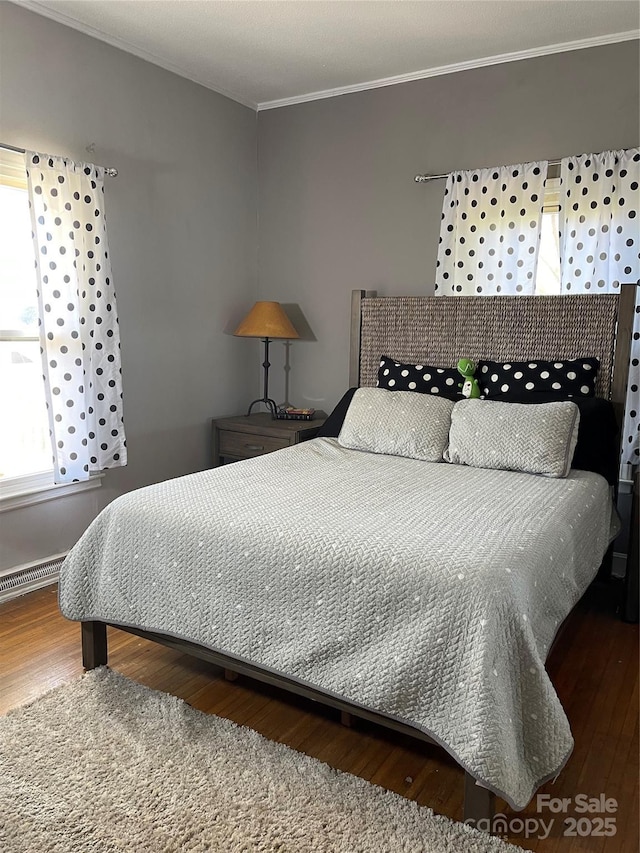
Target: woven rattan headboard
x,y
440,330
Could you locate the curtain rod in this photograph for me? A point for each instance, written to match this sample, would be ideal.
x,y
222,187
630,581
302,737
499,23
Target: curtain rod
x,y
424,179
110,171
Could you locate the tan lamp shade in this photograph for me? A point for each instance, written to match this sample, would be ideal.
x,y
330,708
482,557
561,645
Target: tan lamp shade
x,y
266,320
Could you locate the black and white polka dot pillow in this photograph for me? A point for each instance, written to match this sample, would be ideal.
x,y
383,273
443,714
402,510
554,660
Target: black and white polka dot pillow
x,y
422,378
573,377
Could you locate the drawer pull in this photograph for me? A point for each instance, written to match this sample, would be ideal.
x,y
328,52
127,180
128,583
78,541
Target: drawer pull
x,y
254,446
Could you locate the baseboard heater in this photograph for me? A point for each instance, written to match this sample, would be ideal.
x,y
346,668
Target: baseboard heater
x,y
26,578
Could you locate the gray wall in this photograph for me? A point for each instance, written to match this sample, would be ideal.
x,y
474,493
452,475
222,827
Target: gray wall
x,y
338,208
182,230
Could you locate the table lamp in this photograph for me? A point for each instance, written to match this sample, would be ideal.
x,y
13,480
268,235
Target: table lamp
x,y
266,320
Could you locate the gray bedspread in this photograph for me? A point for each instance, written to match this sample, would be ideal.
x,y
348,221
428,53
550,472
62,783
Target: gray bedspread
x,y
428,592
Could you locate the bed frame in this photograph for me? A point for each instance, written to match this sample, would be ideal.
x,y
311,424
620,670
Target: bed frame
x,y
439,331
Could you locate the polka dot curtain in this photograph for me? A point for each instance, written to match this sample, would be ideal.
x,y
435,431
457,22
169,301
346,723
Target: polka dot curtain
x,y
79,336
490,230
600,246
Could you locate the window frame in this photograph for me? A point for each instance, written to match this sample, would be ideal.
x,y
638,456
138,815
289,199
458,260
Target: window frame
x,y
550,205
29,489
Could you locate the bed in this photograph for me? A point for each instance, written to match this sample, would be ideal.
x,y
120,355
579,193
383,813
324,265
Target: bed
x,y
421,595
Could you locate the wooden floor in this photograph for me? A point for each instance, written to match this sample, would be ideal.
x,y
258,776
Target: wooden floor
x,y
594,668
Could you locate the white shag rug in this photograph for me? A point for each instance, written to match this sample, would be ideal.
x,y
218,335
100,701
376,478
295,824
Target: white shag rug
x,y
104,764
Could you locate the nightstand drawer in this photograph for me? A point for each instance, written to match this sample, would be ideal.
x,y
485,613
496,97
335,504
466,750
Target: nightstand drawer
x,y
246,436
243,445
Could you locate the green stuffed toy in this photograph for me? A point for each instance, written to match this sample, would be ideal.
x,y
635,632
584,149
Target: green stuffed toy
x,y
470,387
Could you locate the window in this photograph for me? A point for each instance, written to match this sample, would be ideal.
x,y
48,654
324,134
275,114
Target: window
x,y
548,272
24,430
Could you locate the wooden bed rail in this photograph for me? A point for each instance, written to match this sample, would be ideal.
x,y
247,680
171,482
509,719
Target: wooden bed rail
x,y
355,339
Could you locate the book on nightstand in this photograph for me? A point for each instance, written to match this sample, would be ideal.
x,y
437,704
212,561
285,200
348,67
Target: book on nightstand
x,y
291,414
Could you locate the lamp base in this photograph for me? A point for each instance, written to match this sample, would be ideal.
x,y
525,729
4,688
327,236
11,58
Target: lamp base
x,y
270,404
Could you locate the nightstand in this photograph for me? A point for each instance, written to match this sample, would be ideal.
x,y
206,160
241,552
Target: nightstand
x,y
245,436
630,604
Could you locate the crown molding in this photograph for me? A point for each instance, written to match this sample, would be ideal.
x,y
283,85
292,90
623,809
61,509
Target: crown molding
x,y
468,65
127,47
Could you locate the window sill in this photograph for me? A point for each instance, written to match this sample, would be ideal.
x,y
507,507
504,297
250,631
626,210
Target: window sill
x,y
28,494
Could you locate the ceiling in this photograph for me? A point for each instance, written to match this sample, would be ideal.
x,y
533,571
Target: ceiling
x,y
267,53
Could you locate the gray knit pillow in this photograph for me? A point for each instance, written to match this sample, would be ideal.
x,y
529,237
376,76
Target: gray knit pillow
x,y
398,423
536,438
